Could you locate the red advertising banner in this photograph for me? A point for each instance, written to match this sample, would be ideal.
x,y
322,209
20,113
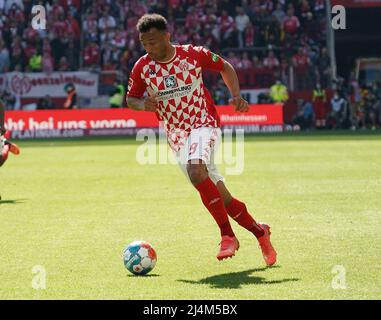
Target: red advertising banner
x,y
97,122
357,3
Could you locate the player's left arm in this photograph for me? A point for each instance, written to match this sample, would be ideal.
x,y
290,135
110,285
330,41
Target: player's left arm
x,y
214,62
230,78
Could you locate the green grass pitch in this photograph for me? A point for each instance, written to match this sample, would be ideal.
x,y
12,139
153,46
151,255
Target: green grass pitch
x,y
72,206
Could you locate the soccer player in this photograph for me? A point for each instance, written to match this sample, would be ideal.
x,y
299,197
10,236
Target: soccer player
x,y
5,145
172,76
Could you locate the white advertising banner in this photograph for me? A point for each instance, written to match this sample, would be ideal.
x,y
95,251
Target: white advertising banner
x,y
35,85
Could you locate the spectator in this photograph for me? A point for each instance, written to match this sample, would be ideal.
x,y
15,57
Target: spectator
x,y
116,99
210,40
8,99
278,92
301,63
291,23
4,58
71,99
319,99
90,28
271,61
273,33
220,93
91,55
371,109
233,59
324,66
119,39
63,65
226,25
47,62
71,54
249,35
73,26
304,117
337,115
45,103
242,21
218,25
279,13
35,62
106,22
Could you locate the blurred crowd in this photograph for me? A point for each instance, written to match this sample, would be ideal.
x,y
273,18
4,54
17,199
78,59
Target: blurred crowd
x,y
261,38
27,50
352,106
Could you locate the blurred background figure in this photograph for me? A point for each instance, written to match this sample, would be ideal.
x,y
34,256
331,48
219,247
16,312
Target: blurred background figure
x,y
337,115
278,92
305,116
319,99
45,103
71,99
116,99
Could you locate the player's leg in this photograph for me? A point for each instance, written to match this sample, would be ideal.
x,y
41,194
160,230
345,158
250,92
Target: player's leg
x,y
238,211
12,147
198,148
4,151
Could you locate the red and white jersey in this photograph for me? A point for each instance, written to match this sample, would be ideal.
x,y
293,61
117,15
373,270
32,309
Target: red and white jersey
x,y
183,101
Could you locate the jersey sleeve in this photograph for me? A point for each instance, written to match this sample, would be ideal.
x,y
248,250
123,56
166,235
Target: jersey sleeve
x,y
136,85
210,60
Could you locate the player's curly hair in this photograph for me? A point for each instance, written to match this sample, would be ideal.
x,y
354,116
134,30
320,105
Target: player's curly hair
x,y
151,20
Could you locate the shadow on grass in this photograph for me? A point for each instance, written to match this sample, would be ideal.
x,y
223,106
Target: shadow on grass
x,y
143,276
234,280
16,201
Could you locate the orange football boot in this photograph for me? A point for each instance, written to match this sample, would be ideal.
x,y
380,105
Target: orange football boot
x,y
228,247
268,251
14,148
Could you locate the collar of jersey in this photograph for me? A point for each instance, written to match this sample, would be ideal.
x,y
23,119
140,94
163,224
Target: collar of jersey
x,y
170,60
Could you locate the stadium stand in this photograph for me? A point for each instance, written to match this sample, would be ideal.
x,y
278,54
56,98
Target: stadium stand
x,y
260,38
265,40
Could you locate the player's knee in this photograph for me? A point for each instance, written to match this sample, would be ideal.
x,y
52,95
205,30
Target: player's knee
x,y
197,172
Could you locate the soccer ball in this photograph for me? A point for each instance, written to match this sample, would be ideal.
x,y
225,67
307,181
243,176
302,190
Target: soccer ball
x,y
139,257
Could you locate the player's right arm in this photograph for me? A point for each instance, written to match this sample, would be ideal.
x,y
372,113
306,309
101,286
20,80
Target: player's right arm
x,y
146,104
136,89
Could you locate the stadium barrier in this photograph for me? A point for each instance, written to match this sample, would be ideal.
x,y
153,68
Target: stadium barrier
x,y
118,122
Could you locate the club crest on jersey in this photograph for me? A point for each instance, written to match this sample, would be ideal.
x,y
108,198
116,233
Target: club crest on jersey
x,y
184,66
151,72
170,82
215,57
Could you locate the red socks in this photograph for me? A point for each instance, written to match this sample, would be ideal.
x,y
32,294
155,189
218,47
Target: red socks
x,y
213,201
238,211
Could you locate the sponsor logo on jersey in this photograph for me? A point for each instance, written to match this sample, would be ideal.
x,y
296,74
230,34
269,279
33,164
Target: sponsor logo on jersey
x,y
215,57
170,82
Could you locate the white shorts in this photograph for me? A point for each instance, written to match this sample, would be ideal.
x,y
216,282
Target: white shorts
x,y
201,144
